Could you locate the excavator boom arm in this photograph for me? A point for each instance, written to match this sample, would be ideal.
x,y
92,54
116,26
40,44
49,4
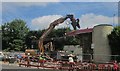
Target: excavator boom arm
x,y
50,28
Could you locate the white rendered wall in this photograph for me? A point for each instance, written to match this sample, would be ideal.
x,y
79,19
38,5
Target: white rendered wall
x,y
101,50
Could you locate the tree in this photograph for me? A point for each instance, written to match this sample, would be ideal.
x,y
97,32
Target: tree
x,y
57,36
71,40
13,34
31,39
114,41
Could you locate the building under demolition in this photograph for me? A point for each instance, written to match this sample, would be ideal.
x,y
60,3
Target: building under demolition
x,y
94,42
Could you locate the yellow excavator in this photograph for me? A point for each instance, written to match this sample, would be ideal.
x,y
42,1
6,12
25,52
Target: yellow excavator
x,y
74,23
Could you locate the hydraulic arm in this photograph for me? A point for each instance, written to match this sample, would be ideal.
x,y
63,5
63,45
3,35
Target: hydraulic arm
x,y
52,26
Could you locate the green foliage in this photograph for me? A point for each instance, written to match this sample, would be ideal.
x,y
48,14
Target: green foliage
x,y
13,34
57,32
58,35
71,40
31,39
114,41
16,36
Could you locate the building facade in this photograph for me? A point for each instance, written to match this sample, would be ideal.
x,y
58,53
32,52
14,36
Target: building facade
x,y
100,41
94,42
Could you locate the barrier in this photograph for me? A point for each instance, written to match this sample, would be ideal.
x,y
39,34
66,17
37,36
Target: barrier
x,y
108,67
64,65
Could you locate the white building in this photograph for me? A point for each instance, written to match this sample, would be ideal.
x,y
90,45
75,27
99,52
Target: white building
x,y
94,42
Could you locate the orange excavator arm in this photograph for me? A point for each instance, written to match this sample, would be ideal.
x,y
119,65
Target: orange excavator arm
x,y
51,27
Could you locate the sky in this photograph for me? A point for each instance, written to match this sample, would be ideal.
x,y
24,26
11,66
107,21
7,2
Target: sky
x,y
39,15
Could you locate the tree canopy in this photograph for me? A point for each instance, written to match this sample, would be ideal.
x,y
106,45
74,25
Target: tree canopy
x,y
13,35
17,36
57,36
114,41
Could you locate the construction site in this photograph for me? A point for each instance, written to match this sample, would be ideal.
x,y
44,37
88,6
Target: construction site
x,y
92,53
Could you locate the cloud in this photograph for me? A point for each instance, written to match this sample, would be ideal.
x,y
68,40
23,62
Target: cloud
x,y
44,22
90,20
86,21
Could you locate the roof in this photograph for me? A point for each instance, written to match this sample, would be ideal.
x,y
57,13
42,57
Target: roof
x,y
103,25
81,31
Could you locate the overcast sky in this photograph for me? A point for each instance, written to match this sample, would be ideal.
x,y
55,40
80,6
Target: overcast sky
x,y
38,15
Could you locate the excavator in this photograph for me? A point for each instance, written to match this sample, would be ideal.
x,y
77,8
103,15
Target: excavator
x,y
75,23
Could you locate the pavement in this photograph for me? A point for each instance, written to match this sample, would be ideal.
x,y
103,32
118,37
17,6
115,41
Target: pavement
x,y
7,65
